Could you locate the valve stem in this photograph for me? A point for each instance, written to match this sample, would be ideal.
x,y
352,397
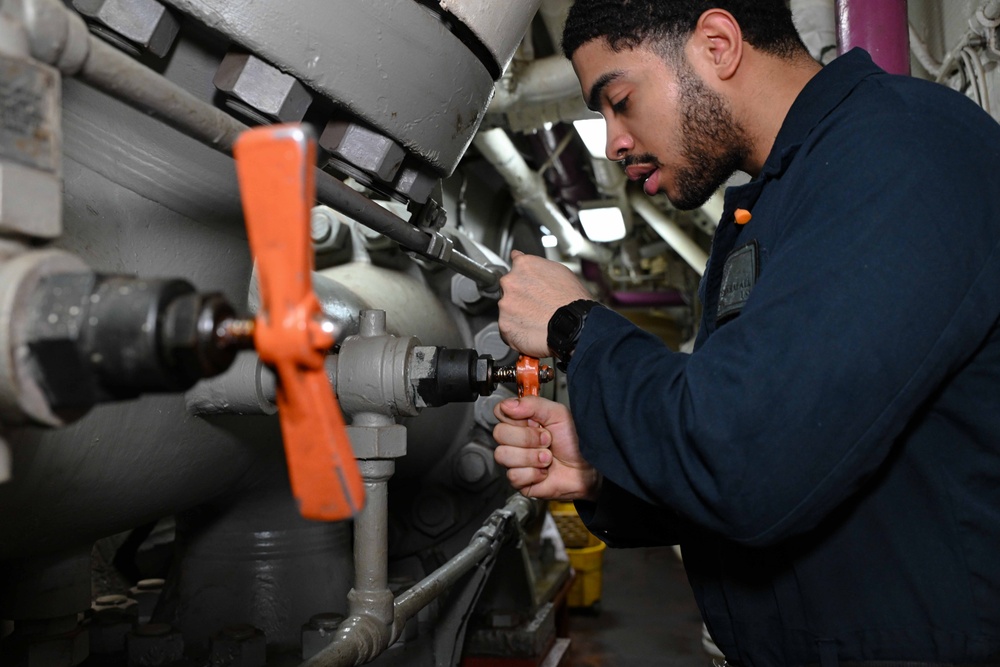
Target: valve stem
x,y
509,374
236,332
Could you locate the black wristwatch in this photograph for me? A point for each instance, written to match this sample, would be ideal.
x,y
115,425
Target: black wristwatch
x,y
565,328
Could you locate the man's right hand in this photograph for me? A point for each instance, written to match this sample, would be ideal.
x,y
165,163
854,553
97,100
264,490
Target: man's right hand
x,y
539,447
532,291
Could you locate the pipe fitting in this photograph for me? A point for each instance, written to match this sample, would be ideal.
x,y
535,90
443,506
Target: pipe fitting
x,y
319,632
57,36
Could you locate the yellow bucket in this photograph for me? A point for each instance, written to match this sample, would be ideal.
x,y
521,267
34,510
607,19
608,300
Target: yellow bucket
x,y
586,555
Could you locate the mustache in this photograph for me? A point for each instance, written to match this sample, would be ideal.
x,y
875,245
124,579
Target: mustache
x,y
644,158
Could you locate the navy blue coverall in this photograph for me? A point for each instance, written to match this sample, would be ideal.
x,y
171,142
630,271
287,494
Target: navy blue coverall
x,y
829,456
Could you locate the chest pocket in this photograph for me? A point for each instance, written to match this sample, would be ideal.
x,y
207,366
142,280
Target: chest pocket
x,y
739,275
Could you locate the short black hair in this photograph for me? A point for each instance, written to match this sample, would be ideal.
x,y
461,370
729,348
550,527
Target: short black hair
x,y
625,24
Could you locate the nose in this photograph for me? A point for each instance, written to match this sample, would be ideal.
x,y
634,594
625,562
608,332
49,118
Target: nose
x,y
619,142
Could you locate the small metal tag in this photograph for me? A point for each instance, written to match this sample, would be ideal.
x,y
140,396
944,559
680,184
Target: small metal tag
x,y
739,275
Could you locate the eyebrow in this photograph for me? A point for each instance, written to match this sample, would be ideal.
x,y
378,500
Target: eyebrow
x,y
594,99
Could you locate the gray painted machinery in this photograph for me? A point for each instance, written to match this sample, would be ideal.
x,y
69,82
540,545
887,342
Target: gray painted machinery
x,y
145,510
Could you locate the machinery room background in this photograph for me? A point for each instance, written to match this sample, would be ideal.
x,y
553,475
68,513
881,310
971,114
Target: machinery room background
x,y
145,510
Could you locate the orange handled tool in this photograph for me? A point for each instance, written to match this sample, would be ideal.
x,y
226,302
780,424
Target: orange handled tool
x,y
274,166
530,375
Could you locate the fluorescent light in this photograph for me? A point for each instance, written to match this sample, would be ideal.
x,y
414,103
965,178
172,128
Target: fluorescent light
x,y
549,241
594,132
603,225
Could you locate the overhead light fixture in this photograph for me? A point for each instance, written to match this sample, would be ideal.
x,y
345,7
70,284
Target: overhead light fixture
x,y
594,132
603,225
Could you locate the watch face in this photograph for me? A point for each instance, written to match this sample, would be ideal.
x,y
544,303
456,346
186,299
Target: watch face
x,y
564,330
565,323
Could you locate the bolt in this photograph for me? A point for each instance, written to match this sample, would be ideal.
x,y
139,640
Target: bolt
x,y
489,341
327,230
434,513
374,241
320,225
363,148
260,90
145,24
485,416
474,467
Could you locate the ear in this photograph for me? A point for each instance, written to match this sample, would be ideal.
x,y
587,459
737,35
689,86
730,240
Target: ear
x,y
718,43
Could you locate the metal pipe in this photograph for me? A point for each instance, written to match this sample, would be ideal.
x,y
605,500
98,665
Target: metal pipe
x,y
117,74
484,543
668,230
356,639
543,80
880,27
528,188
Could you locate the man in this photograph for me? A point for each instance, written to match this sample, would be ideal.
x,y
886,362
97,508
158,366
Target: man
x,y
829,456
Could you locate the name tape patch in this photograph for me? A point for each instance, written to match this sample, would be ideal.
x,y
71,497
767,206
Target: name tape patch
x,y
739,275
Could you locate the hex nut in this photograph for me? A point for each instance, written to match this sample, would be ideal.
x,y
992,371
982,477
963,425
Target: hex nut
x,y
239,646
489,341
434,513
147,24
54,340
365,149
262,87
474,467
378,442
328,232
467,295
415,184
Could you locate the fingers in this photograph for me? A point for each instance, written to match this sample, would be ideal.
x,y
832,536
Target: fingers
x,y
526,468
518,411
525,460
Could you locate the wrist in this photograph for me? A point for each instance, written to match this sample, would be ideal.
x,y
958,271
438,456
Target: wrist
x,y
564,330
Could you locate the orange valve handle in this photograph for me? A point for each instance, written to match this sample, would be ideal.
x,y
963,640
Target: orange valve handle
x,y
528,382
274,166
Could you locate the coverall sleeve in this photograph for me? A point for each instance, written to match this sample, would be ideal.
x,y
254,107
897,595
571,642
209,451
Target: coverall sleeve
x,y
867,300
622,520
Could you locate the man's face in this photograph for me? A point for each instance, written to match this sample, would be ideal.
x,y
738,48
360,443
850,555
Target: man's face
x,y
667,127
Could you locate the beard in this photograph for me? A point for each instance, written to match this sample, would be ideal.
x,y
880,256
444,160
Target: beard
x,y
713,144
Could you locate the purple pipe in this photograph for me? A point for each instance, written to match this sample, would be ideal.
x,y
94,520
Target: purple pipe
x,y
880,27
648,299
592,271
